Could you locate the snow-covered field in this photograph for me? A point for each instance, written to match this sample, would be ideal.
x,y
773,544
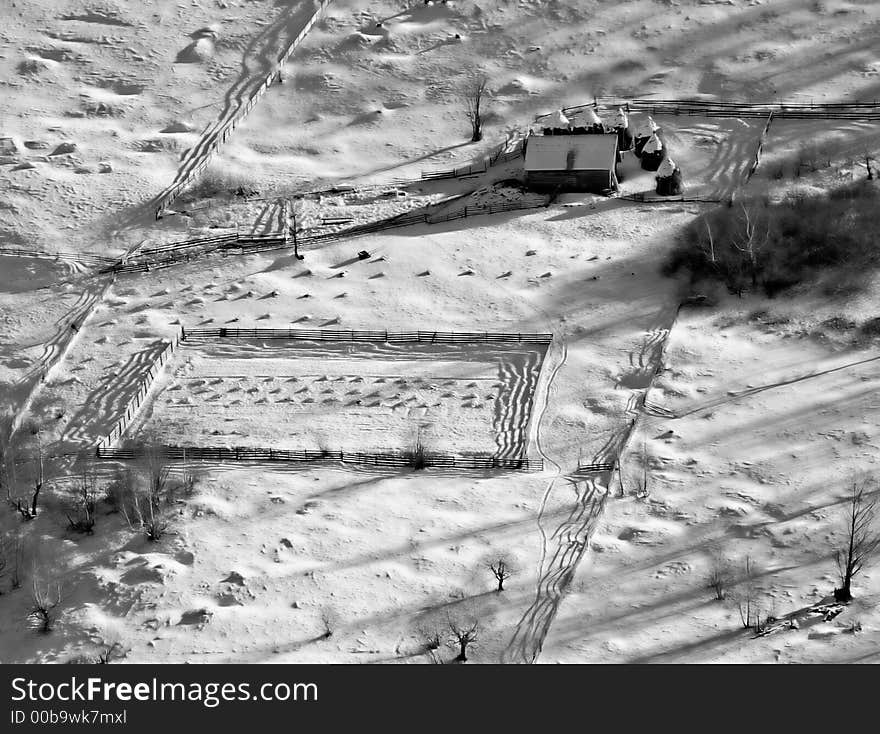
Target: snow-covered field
x,y
759,412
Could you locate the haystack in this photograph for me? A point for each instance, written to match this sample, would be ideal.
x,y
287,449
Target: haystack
x,y
621,126
669,180
556,123
653,153
644,131
586,121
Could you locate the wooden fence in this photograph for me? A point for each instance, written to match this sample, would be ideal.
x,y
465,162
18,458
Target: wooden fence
x,y
499,154
389,460
790,110
133,406
422,337
598,467
652,198
167,255
205,149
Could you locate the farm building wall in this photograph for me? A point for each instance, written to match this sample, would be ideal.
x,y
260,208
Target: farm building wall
x,y
594,182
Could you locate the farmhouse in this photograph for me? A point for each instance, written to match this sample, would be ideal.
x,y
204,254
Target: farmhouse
x,y
572,162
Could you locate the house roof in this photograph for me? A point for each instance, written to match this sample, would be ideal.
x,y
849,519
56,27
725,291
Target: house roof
x,y
571,152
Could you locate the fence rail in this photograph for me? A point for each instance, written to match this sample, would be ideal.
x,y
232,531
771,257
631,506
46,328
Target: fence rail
x,y
711,108
599,467
422,337
389,459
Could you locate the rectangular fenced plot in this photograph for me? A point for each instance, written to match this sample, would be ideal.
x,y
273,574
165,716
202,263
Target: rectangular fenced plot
x,y
456,398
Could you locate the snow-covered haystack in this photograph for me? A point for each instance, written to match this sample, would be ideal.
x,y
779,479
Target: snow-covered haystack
x,y
621,125
199,51
653,153
556,123
645,130
669,181
587,121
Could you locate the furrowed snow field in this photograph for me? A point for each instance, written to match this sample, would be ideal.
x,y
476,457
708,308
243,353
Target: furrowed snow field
x,y
350,397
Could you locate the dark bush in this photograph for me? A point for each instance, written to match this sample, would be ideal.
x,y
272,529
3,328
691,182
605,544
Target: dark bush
x,y
758,245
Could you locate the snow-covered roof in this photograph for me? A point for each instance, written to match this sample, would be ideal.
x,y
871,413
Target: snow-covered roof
x,y
667,168
586,117
555,119
646,127
653,145
571,152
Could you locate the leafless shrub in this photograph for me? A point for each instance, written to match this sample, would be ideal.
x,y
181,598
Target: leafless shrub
x,y
115,490
110,653
747,597
720,577
329,622
862,538
142,510
81,517
417,455
155,469
44,602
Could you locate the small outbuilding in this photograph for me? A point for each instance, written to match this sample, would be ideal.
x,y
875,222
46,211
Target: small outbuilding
x,y
572,163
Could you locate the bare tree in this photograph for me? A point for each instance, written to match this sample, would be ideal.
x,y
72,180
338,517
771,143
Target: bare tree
x,y
751,240
869,159
862,537
473,98
28,510
44,602
464,633
502,567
